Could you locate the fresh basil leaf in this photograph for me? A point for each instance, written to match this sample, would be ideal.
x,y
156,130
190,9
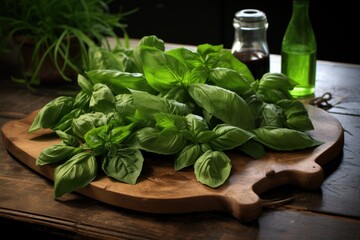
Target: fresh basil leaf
x,y
271,115
212,168
165,120
152,41
81,125
205,147
178,94
196,124
273,87
102,99
284,139
191,58
124,104
205,49
229,79
204,137
96,139
64,124
85,84
166,141
119,134
54,154
253,149
229,137
103,58
187,157
152,104
119,81
297,116
162,71
67,139
197,75
124,165
115,119
224,104
82,100
51,113
225,59
75,173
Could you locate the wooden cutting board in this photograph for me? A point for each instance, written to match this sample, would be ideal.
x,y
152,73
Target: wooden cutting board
x,y
162,190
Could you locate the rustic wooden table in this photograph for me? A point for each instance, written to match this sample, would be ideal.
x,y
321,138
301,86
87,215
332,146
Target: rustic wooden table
x,y
27,207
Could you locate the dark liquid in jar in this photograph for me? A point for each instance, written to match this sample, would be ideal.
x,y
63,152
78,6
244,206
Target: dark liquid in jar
x,y
257,62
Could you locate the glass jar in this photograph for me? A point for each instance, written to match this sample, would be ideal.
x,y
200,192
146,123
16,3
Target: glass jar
x,y
250,41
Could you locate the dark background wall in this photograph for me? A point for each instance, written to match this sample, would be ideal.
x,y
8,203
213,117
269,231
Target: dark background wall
x,y
194,22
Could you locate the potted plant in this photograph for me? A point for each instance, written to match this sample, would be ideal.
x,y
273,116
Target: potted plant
x,y
49,39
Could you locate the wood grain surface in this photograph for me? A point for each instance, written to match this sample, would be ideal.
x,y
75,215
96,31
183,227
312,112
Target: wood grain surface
x,y
162,190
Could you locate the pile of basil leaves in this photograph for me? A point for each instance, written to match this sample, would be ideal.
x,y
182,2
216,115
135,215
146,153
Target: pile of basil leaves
x,y
191,105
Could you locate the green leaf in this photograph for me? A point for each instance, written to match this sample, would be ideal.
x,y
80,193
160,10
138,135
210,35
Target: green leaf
x,y
178,93
284,139
165,120
224,104
162,71
225,59
67,139
197,75
64,124
77,172
166,141
189,57
271,115
152,41
297,116
124,104
96,139
102,99
151,104
85,84
124,165
230,79
188,156
51,113
205,137
119,134
274,87
119,81
229,137
82,100
81,125
103,58
54,154
212,168
196,124
205,49
253,149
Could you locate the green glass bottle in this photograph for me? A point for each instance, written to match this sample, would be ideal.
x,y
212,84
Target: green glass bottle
x,y
298,51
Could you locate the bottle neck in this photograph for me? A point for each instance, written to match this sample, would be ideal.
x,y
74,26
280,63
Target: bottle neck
x,y
299,32
300,12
